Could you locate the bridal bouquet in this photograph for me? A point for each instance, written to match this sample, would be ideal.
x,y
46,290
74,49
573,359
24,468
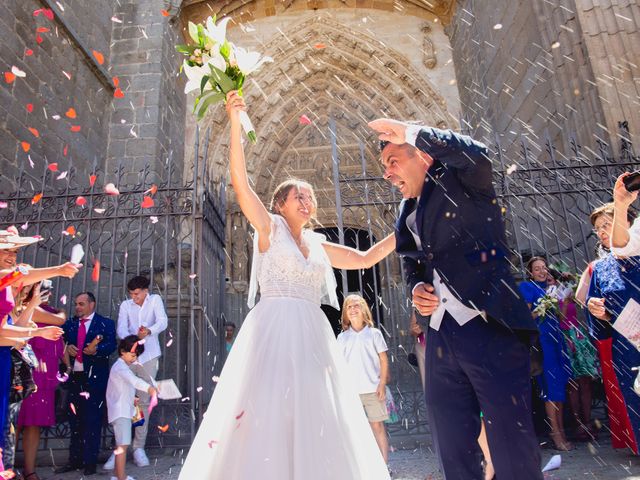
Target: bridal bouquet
x,y
548,304
214,67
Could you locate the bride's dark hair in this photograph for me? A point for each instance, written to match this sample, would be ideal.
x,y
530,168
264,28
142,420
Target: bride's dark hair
x,y
281,193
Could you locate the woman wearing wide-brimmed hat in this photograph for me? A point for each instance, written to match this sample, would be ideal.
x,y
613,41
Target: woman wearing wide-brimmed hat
x,y
14,335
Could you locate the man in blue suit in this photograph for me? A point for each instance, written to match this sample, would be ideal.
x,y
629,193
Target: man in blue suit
x,y
91,339
451,236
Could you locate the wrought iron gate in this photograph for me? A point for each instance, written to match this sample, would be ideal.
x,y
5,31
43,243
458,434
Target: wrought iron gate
x,y
178,242
547,200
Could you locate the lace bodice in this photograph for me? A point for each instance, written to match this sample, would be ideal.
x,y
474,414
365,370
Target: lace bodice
x,y
283,271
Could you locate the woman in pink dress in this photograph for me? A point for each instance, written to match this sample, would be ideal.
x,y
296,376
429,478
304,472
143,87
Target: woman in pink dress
x,y
38,409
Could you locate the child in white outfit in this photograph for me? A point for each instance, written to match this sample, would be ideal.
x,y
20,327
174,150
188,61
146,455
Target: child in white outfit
x,y
366,353
121,390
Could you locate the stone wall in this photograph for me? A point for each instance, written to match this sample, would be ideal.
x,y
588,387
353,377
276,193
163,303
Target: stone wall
x,y
58,76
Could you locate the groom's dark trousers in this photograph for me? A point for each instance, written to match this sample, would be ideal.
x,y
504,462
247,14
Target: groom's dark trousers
x,y
459,386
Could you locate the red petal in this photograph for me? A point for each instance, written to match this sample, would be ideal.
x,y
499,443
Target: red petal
x,y
164,13
29,107
28,52
9,77
34,132
71,113
42,29
26,146
39,39
92,179
116,81
118,93
319,46
53,167
304,120
98,56
65,150
48,13
75,128
95,275
147,202
81,201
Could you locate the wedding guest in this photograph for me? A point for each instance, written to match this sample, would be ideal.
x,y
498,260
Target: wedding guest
x,y
38,410
121,390
613,283
583,357
450,233
229,335
556,368
142,315
365,350
619,425
91,339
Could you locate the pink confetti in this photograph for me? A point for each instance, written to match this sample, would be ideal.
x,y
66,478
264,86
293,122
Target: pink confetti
x,y
24,226
193,275
63,299
239,416
73,408
4,204
110,189
62,378
85,395
304,120
153,402
169,342
212,443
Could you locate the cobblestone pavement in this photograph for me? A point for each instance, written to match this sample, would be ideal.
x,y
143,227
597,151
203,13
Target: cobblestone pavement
x,y
587,461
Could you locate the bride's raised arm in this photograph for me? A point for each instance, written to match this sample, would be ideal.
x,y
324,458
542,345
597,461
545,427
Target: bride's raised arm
x,y
351,259
249,202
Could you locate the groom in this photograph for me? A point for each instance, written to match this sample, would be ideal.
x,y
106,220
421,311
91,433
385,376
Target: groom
x,y
451,237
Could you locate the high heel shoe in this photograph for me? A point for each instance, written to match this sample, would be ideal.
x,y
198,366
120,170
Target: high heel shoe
x,y
559,442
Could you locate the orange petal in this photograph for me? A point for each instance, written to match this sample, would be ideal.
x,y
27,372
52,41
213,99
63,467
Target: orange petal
x,y
71,113
53,167
26,146
116,81
98,56
153,190
163,428
42,29
34,132
70,230
147,202
164,13
95,275
319,46
118,93
75,128
9,77
36,198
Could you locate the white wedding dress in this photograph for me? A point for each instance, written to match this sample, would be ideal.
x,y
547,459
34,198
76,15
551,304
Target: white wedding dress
x,y
284,407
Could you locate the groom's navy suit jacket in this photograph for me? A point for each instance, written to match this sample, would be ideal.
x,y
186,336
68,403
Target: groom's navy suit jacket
x,y
461,229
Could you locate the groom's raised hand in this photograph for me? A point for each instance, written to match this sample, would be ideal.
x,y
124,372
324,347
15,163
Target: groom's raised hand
x,y
390,130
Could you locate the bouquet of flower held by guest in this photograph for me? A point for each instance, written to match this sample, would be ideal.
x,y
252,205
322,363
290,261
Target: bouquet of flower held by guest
x,y
547,305
214,67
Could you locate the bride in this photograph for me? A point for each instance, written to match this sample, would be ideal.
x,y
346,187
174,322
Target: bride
x,y
284,408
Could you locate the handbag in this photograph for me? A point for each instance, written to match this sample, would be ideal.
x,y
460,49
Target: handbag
x,y
22,364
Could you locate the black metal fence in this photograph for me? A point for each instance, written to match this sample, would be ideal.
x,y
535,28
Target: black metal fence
x,y
160,225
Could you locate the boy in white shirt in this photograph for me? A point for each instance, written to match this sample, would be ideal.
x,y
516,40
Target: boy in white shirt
x,y
365,350
121,391
144,316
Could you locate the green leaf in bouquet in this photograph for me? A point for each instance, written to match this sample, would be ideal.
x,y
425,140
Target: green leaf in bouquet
x,y
240,81
202,35
204,101
225,49
203,83
186,49
222,79
193,32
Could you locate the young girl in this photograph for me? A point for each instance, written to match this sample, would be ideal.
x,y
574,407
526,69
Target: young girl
x,y
365,350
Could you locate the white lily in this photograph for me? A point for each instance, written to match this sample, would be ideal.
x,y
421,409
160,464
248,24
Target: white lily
x,y
214,58
217,32
194,75
249,62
